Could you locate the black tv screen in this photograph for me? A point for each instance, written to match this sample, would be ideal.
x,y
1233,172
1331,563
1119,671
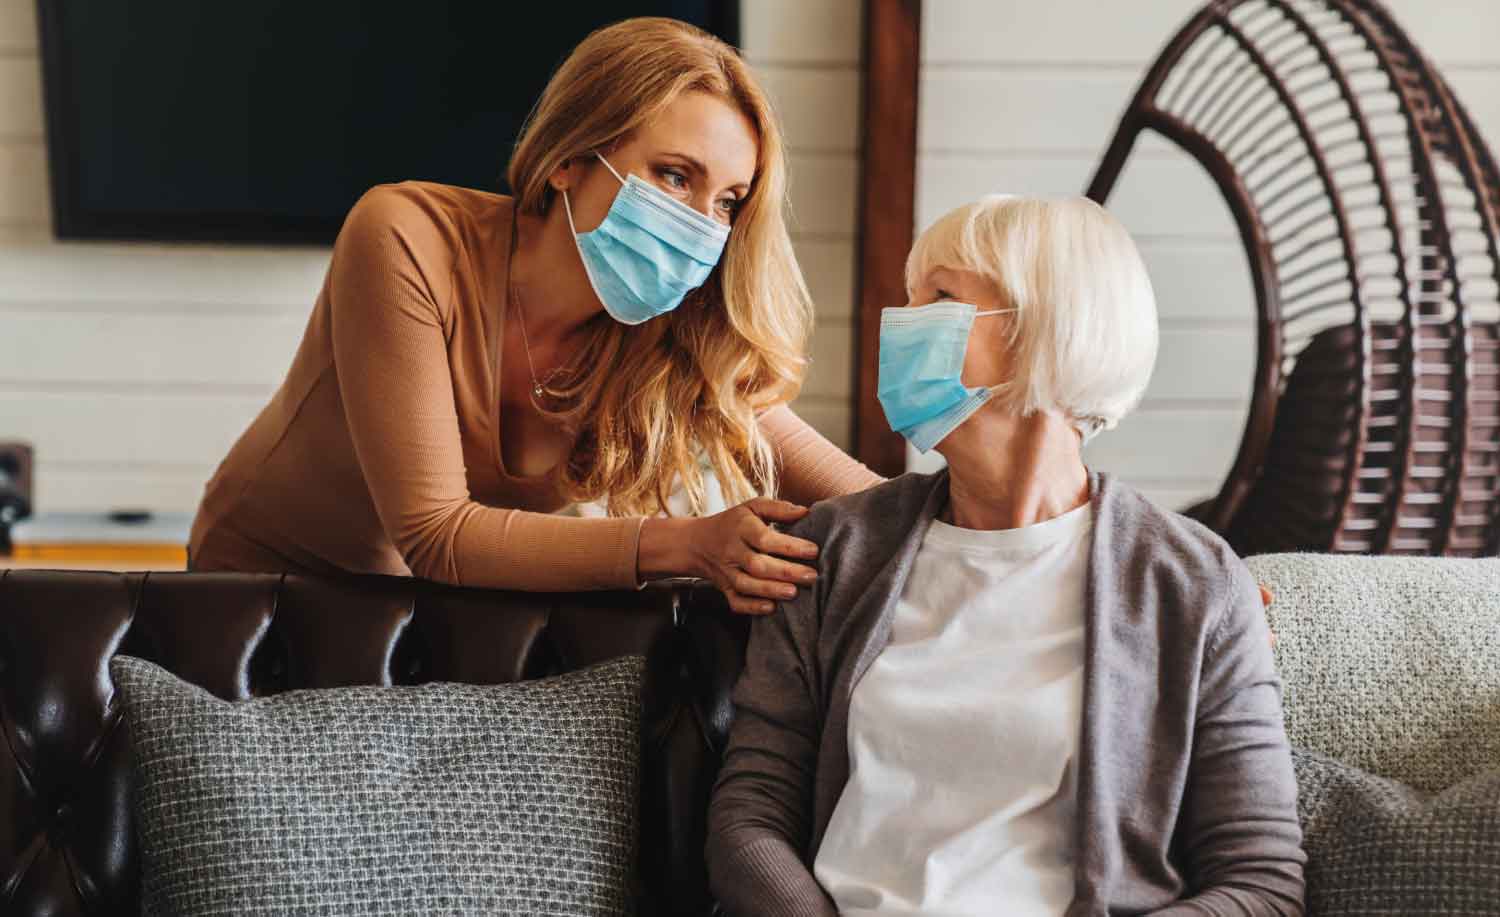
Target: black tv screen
x,y
264,120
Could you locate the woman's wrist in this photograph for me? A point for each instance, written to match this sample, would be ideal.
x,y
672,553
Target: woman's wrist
x,y
665,549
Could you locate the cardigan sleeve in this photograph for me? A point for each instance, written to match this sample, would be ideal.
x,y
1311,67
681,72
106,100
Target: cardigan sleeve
x,y
389,291
1240,836
812,468
760,815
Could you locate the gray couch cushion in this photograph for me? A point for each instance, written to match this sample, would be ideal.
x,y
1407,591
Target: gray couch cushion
x,y
1375,846
441,798
1390,664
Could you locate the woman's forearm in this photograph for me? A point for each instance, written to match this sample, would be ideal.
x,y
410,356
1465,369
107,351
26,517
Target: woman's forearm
x,y
761,811
666,548
1227,900
764,877
1239,834
812,467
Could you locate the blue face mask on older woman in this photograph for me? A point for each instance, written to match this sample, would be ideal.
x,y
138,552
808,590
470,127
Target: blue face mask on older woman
x,y
921,388
650,251
921,370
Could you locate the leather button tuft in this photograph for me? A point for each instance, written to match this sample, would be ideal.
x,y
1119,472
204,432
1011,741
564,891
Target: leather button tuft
x,y
62,818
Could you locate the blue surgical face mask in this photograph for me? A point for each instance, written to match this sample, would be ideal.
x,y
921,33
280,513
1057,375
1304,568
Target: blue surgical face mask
x,y
921,371
650,251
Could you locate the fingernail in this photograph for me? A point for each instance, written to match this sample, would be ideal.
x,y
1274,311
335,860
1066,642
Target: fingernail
x,y
767,607
809,577
788,592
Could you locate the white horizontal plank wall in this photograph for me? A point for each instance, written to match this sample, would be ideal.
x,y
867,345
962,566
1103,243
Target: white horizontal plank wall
x,y
130,367
133,367
1022,96
807,52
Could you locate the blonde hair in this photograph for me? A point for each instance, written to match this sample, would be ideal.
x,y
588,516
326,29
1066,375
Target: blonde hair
x,y
650,404
1084,337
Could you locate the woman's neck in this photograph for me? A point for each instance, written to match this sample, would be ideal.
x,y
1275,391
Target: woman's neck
x,y
1008,472
548,277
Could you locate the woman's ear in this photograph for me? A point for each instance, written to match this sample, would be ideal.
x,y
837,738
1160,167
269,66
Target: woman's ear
x,y
565,175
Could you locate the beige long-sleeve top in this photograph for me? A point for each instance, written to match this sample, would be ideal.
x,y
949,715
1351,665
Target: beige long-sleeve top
x,y
380,452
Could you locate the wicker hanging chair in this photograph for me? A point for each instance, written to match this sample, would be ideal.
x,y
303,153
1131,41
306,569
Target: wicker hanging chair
x,y
1369,209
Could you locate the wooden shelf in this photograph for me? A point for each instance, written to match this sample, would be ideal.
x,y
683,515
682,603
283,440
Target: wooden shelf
x,y
112,566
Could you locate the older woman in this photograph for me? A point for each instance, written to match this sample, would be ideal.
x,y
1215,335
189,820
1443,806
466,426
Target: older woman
x,y
1018,687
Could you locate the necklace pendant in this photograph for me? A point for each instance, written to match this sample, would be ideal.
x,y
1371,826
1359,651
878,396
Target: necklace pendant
x,y
537,390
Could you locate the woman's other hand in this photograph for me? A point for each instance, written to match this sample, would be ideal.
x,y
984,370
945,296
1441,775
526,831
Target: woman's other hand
x,y
1266,599
739,550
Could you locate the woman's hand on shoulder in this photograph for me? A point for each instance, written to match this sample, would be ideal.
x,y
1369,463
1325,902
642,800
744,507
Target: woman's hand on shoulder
x,y
739,550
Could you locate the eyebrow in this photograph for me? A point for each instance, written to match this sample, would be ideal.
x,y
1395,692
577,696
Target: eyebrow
x,y
697,166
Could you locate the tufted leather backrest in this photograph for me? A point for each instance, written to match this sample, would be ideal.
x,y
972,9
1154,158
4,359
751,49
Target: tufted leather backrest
x,y
68,846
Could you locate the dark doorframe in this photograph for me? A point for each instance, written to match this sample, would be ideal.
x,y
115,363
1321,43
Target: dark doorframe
x,y
887,209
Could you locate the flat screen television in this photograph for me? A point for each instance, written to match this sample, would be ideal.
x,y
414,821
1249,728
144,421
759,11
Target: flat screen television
x,y
264,120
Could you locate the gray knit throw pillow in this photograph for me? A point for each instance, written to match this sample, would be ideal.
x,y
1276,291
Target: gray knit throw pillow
x,y
1388,663
436,799
1376,846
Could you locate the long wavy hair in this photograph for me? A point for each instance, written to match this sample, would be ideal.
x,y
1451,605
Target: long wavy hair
x,y
652,406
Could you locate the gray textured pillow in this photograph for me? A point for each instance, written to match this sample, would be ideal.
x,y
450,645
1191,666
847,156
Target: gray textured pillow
x,y
436,799
1388,663
1376,846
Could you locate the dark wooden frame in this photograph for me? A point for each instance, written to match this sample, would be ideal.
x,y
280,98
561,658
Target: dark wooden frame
x,y
887,209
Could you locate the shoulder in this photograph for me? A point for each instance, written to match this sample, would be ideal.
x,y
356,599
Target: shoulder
x,y
416,230
1171,538
878,507
856,533
1178,558
402,223
410,209
433,220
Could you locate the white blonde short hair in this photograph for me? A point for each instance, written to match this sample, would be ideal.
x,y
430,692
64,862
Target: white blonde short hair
x,y
1084,338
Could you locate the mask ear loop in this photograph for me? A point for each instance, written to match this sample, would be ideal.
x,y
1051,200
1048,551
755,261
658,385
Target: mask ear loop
x,y
569,208
995,389
609,167
587,271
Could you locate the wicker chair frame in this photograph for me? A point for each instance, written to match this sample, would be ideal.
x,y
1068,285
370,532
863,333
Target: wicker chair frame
x,y
1369,210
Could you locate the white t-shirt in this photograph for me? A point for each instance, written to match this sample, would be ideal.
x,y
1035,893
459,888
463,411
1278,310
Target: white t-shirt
x,y
963,734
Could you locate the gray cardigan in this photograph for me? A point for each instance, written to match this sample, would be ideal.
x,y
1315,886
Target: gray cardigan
x,y
1186,799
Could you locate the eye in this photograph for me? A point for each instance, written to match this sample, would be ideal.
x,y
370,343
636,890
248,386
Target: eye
x,y
944,294
674,179
729,206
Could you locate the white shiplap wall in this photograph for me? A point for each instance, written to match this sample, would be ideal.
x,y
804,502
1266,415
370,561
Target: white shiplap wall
x,y
808,54
132,367
1023,96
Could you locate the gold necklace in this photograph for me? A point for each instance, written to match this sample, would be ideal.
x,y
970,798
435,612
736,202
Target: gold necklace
x,y
538,387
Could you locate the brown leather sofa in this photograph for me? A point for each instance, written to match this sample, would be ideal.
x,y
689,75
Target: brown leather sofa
x,y
69,846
